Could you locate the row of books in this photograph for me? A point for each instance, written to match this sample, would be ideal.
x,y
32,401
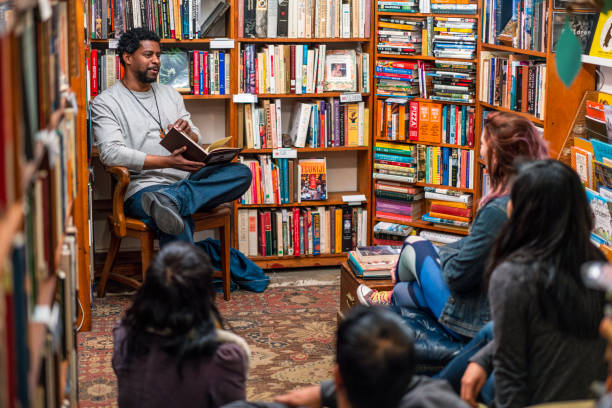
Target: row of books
x,y
518,23
403,120
316,123
452,81
301,231
401,36
439,238
304,18
429,6
514,82
407,208
176,19
454,37
189,72
401,78
285,181
301,69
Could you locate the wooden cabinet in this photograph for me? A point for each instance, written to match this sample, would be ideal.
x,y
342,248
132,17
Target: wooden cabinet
x,y
348,288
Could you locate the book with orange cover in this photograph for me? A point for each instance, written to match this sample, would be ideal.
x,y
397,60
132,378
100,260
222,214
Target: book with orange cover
x,y
582,163
449,217
424,118
450,204
435,122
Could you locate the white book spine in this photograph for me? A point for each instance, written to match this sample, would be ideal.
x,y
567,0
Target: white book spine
x,y
279,124
309,70
346,20
252,233
321,68
243,231
171,16
255,120
301,28
270,74
279,232
272,18
362,18
298,67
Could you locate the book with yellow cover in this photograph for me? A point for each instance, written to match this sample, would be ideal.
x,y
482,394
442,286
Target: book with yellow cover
x,y
601,46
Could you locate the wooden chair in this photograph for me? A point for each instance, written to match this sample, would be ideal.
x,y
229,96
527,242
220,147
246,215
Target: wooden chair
x,y
122,226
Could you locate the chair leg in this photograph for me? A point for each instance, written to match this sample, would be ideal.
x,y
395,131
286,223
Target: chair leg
x,y
146,253
225,257
115,242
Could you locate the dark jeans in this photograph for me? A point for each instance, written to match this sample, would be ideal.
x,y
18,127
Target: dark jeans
x,y
455,369
205,189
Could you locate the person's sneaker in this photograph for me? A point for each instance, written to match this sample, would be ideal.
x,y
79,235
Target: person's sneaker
x,y
370,297
164,212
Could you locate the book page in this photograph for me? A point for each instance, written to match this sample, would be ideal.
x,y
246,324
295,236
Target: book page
x,y
218,144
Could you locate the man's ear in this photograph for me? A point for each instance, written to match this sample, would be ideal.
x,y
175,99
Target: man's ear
x,y
127,58
338,378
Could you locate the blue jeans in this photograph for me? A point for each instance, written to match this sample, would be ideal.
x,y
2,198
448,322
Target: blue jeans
x,y
455,369
205,189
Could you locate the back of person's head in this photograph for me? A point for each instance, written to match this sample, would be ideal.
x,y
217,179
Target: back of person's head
x,y
129,41
175,304
375,355
508,136
549,229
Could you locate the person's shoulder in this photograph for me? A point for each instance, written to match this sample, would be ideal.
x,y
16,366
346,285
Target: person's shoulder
x,y
106,97
498,203
166,90
232,348
425,392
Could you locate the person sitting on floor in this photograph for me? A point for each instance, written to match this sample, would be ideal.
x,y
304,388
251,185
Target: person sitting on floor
x,y
167,349
545,345
374,368
130,118
447,281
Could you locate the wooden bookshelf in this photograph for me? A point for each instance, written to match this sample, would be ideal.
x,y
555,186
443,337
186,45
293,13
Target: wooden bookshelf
x,y
420,57
363,153
206,97
529,116
45,199
400,14
407,142
496,47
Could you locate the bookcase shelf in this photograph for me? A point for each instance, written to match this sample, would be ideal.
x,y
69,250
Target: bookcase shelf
x,y
416,142
529,116
290,261
397,13
496,47
307,95
310,149
602,62
424,225
303,40
335,198
420,57
188,97
465,190
164,41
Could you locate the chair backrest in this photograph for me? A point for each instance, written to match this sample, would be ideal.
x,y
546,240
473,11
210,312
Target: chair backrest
x,y
122,180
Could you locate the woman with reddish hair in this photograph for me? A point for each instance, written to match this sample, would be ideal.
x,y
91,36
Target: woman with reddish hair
x,y
448,281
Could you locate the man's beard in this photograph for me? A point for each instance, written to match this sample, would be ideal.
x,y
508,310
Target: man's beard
x,y
142,77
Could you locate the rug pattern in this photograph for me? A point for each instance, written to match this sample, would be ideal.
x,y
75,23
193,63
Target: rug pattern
x,y
290,331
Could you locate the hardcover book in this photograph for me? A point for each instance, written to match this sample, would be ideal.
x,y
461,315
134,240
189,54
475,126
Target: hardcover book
x,y
174,70
215,153
313,179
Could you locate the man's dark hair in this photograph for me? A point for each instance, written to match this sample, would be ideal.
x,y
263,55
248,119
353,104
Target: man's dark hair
x,y
130,41
375,355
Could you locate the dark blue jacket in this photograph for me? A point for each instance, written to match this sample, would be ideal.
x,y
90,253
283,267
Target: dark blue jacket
x,y
463,264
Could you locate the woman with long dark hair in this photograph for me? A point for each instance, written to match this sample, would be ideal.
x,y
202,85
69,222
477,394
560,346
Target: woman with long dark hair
x,y
545,333
447,281
169,350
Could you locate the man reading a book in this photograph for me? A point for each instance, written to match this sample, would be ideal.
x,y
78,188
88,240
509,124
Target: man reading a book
x,y
129,121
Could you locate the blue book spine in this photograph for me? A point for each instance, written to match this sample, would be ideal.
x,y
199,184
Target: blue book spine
x,y
316,234
453,122
316,126
393,157
221,73
444,135
391,70
512,88
394,78
304,64
445,161
464,116
283,171
201,73
492,82
252,67
428,165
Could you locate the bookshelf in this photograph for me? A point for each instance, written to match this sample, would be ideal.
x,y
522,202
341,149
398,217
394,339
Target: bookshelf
x,y
357,157
44,247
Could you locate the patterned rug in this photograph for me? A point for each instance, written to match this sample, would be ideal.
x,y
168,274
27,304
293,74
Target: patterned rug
x,y
290,331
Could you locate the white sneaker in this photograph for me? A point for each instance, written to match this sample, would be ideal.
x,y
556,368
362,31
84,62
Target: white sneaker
x,y
363,294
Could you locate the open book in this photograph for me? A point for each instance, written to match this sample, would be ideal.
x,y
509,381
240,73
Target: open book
x,y
215,153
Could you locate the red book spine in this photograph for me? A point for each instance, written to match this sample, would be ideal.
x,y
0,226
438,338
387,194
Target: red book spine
x,y
322,123
463,167
206,74
292,68
413,124
196,73
262,234
94,73
296,232
393,163
443,209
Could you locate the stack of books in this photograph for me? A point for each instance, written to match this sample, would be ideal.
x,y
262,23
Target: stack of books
x,y
399,36
451,6
374,262
453,81
454,37
389,233
448,208
397,78
439,238
401,6
394,162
